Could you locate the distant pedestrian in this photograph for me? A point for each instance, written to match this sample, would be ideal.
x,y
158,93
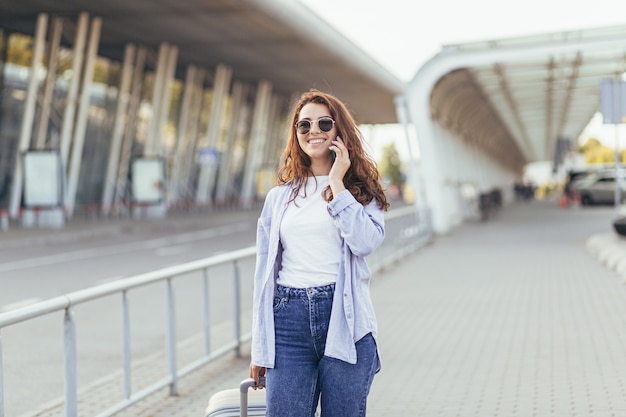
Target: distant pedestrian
x,y
314,328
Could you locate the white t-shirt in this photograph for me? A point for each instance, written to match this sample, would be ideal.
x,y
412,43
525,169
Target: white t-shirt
x,y
311,242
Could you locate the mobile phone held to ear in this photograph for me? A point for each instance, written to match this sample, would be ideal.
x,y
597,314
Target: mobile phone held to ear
x,y
334,155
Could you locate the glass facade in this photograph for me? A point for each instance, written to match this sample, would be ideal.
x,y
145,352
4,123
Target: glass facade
x,y
183,163
15,56
102,105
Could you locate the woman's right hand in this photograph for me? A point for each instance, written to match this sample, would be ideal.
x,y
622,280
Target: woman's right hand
x,y
255,373
340,166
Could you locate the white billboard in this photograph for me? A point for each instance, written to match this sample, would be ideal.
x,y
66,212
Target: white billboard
x,y
43,179
148,180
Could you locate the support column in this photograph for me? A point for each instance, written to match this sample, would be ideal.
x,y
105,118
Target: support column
x,y
445,160
269,151
164,108
258,136
26,129
129,132
206,180
67,127
118,129
414,180
280,131
152,145
166,66
4,44
456,149
81,119
225,178
189,154
175,185
51,70
5,148
275,135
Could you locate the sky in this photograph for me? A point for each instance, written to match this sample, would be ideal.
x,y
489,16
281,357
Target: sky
x,y
403,34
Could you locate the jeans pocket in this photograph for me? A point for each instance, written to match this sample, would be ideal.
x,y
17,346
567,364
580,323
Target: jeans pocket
x,y
279,303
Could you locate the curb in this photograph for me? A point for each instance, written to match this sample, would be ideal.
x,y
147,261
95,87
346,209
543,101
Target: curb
x,y
610,250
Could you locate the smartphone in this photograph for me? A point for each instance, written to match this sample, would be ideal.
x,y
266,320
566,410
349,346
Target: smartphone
x,y
334,155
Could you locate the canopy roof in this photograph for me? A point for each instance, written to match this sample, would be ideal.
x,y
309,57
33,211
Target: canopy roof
x,y
277,40
517,97
514,97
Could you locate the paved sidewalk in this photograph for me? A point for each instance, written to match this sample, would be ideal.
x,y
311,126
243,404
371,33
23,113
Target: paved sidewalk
x,y
513,317
509,318
517,316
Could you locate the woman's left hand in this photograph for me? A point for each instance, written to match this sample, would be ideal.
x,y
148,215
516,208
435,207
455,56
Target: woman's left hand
x,y
340,166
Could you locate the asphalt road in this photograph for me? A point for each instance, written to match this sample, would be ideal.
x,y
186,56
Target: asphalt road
x,y
34,268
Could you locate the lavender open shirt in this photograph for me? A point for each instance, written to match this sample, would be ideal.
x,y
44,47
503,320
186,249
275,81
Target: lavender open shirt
x,y
362,230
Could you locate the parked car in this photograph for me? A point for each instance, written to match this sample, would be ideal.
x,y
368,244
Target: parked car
x,y
598,189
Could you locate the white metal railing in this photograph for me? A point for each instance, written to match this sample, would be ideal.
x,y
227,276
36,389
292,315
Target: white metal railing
x,y
121,287
407,229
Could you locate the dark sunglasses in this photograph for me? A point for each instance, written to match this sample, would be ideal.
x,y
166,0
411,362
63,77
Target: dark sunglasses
x,y
324,123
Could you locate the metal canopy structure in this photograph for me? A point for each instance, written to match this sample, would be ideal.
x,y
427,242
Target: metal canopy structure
x,y
514,108
531,93
258,39
484,110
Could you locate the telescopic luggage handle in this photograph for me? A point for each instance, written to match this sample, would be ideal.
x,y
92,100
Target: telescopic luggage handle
x,y
249,383
243,389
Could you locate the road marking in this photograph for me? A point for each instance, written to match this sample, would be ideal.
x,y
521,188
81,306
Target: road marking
x,y
174,240
172,250
20,304
110,279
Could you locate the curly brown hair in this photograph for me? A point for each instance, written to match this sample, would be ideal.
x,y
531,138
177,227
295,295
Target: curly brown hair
x,y
362,179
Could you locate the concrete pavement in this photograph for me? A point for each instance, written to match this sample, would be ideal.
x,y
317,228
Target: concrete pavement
x,y
518,316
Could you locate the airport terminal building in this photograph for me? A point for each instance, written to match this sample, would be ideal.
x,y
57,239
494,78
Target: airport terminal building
x,y
116,108
157,106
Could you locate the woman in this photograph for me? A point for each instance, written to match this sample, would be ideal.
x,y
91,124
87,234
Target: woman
x,y
314,327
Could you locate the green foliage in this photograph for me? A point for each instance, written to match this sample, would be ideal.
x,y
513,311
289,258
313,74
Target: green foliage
x,y
20,50
597,153
391,165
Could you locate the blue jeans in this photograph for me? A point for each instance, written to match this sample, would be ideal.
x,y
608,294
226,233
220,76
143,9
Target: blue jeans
x,y
302,373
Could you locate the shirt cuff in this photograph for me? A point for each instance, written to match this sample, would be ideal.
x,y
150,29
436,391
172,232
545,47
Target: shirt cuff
x,y
340,202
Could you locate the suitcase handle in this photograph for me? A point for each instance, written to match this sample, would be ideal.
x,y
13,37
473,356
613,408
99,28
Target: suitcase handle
x,y
249,382
243,389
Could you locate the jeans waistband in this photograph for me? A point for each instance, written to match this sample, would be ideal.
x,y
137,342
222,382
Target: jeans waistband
x,y
325,291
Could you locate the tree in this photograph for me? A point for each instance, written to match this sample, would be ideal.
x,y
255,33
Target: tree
x,y
391,166
597,153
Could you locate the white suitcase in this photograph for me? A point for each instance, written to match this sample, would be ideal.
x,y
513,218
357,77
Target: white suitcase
x,y
238,402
